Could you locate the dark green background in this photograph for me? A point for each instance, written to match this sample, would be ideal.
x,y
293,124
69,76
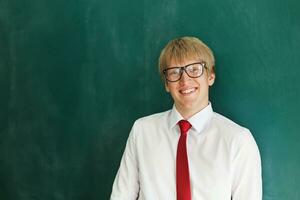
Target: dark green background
x,y
74,75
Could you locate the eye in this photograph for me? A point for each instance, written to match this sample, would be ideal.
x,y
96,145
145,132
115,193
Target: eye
x,y
172,72
195,68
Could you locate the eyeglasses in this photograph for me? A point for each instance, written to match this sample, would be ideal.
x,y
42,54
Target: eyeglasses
x,y
193,70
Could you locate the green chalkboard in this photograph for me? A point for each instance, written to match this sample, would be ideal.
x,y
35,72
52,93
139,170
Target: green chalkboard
x,y
74,75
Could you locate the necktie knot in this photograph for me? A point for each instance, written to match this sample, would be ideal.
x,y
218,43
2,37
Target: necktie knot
x,y
184,126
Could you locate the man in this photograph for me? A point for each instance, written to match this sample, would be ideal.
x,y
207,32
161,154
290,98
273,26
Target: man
x,y
188,152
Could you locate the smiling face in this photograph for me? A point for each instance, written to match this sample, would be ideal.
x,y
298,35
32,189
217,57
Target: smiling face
x,y
190,95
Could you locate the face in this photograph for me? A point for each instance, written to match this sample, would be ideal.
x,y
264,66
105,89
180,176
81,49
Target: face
x,y
190,95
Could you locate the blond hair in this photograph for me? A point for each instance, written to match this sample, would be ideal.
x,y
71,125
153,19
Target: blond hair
x,y
184,48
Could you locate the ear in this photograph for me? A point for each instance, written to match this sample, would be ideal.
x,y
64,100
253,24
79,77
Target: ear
x,y
211,78
167,87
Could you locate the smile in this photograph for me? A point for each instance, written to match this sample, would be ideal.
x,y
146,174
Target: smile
x,y
188,91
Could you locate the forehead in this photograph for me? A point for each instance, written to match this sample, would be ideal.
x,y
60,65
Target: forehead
x,y
182,62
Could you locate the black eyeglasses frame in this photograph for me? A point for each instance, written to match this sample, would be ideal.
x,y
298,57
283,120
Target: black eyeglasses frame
x,y
183,68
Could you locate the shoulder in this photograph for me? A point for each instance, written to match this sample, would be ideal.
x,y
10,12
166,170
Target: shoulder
x,y
228,129
154,120
236,137
225,123
146,128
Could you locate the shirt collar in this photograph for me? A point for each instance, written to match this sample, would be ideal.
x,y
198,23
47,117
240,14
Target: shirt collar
x,y
198,121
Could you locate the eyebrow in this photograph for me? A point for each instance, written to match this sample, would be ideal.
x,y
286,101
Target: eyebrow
x,y
199,62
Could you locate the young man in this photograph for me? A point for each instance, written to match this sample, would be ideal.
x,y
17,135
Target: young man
x,y
188,152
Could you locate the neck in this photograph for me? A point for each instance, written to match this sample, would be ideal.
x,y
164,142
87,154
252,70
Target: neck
x,y
187,113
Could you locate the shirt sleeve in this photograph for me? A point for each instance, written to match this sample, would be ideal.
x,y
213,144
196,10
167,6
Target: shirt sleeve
x,y
247,178
126,183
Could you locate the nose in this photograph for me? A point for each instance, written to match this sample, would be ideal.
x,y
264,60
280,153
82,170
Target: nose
x,y
184,77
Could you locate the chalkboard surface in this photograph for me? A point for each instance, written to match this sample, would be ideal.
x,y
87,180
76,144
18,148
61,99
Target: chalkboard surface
x,y
74,75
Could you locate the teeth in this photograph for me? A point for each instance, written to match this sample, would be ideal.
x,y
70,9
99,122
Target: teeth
x,y
188,91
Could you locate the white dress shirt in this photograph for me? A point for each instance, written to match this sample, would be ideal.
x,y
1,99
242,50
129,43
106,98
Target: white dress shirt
x,y
224,161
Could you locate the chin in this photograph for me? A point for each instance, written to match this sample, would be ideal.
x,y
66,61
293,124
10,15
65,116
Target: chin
x,y
187,106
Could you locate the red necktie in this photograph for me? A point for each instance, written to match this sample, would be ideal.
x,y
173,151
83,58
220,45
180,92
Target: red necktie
x,y
182,165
